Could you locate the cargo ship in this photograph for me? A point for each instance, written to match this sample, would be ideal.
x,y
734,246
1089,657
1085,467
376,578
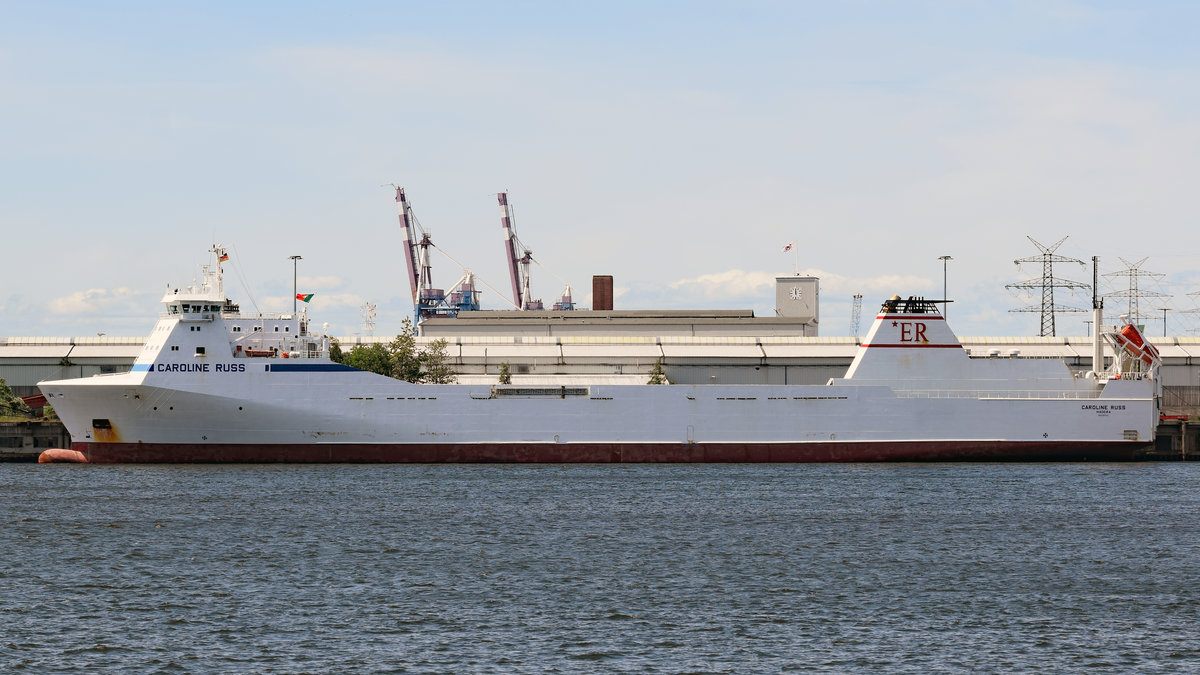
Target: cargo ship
x,y
214,384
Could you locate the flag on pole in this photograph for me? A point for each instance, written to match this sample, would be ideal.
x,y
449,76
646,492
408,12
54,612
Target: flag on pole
x,y
789,246
224,257
304,297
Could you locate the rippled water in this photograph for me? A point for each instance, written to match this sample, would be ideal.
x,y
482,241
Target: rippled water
x,y
601,568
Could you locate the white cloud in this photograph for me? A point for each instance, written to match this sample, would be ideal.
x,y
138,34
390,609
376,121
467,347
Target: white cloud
x,y
740,283
94,301
901,284
731,283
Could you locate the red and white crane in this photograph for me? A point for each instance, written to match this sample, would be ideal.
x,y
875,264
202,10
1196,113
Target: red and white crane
x,y
427,300
416,261
518,268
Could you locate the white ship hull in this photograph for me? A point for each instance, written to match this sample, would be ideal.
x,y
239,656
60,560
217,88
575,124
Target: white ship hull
x,y
356,416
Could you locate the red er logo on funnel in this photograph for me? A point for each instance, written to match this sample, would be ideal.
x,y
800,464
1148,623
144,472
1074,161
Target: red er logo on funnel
x,y
912,332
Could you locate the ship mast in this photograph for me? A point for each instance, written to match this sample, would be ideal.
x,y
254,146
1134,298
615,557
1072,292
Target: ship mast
x,y
1097,318
216,281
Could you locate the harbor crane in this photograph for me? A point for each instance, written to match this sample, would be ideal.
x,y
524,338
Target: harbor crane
x,y
518,268
427,300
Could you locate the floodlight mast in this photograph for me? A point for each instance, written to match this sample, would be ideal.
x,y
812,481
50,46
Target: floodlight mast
x,y
1097,319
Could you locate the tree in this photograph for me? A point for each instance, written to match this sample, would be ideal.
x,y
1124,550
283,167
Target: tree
x,y
435,366
335,351
401,359
374,358
505,373
657,376
406,361
9,403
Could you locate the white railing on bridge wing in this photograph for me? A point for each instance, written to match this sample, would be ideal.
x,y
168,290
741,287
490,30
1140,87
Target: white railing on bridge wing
x,y
1056,394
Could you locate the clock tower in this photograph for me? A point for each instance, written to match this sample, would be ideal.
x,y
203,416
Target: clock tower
x,y
797,297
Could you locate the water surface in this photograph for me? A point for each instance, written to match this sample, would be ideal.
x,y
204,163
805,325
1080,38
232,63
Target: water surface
x,y
600,568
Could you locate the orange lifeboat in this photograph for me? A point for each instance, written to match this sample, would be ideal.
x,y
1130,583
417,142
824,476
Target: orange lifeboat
x,y
1132,341
54,455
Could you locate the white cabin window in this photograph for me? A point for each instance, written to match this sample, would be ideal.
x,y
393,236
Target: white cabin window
x,y
276,329
237,329
286,328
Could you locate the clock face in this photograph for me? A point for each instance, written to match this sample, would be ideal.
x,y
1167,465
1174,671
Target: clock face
x,y
795,293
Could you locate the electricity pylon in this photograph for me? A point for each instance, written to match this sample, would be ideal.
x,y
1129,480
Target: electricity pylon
x,y
1134,272
1047,284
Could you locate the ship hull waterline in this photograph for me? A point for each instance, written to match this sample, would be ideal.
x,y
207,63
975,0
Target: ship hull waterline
x,y
604,453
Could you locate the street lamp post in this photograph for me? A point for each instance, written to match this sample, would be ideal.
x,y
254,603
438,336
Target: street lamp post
x,y
946,301
1165,310
295,291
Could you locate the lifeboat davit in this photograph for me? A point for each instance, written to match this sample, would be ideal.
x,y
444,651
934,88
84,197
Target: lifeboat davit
x,y
54,455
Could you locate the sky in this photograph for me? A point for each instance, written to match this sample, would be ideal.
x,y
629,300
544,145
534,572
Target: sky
x,y
678,146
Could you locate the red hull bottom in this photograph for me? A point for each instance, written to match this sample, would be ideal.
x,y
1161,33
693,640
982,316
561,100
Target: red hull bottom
x,y
102,453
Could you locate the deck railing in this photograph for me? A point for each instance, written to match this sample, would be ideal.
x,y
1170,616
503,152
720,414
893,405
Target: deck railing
x,y
1000,394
